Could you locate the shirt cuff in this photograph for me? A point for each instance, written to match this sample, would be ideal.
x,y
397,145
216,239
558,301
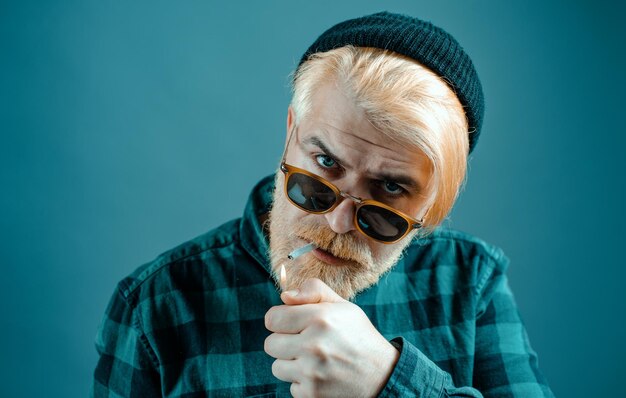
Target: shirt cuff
x,y
414,374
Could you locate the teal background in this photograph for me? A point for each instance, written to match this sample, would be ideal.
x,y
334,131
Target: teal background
x,y
129,127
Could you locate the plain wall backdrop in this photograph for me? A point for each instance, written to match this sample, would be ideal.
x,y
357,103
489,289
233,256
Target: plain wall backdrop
x,y
128,127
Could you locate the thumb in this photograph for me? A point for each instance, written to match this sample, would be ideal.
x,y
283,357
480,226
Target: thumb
x,y
312,291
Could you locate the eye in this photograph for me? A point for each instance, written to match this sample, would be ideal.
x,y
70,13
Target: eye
x,y
392,188
325,161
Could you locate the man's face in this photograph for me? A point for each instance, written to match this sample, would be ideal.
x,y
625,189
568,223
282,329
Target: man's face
x,y
337,142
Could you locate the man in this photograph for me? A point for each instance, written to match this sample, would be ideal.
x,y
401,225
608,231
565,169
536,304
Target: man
x,y
383,301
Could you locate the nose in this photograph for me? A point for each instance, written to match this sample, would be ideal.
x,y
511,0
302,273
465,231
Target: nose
x,y
341,219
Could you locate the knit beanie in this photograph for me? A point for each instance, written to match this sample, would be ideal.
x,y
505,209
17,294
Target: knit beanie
x,y
426,43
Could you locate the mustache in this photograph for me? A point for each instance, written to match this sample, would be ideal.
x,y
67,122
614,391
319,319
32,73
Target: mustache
x,y
344,246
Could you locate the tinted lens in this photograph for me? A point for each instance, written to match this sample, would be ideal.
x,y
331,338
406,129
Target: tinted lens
x,y
380,223
309,193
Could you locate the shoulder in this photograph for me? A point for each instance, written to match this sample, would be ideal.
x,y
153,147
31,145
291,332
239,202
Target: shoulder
x,y
451,241
470,256
188,258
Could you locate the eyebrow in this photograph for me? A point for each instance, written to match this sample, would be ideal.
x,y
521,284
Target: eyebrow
x,y
401,179
318,143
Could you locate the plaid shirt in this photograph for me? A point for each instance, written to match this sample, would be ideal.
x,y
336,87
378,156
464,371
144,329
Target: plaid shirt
x,y
191,322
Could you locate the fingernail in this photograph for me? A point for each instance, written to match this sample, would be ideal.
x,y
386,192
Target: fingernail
x,y
292,293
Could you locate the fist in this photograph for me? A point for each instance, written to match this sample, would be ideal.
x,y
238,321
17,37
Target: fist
x,y
326,346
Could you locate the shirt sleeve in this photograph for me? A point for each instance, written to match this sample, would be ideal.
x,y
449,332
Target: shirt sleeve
x,y
504,363
127,366
417,376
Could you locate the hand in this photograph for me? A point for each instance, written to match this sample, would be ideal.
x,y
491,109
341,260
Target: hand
x,y
326,346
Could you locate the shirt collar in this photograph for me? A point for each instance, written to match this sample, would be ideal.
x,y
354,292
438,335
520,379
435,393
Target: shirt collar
x,y
253,238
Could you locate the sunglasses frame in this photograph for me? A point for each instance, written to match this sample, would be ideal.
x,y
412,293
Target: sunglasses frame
x,y
290,170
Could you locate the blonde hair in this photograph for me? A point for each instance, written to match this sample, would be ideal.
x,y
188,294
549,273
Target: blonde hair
x,y
405,101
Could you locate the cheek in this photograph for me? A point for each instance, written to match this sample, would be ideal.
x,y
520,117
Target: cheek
x,y
294,215
290,214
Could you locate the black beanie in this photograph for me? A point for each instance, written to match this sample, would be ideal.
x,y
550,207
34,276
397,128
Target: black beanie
x,y
428,44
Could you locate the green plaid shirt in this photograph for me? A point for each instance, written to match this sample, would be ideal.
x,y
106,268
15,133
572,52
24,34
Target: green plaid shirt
x,y
191,322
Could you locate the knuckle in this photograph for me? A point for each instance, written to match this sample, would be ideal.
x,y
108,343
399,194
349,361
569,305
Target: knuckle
x,y
324,320
317,284
315,375
321,324
318,351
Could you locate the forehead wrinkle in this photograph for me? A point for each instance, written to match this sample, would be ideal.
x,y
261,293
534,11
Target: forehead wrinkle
x,y
366,154
357,136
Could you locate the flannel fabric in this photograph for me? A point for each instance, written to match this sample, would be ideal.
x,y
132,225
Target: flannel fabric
x,y
191,322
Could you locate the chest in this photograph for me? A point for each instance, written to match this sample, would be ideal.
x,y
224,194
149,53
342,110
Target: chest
x,y
215,342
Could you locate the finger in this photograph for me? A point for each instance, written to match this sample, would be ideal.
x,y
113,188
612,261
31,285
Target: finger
x,y
291,319
280,319
296,390
312,291
285,370
283,346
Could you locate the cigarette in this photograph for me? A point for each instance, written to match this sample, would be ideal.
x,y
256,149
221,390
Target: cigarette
x,y
283,277
303,250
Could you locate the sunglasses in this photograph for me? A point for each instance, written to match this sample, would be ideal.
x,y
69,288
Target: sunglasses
x,y
316,195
